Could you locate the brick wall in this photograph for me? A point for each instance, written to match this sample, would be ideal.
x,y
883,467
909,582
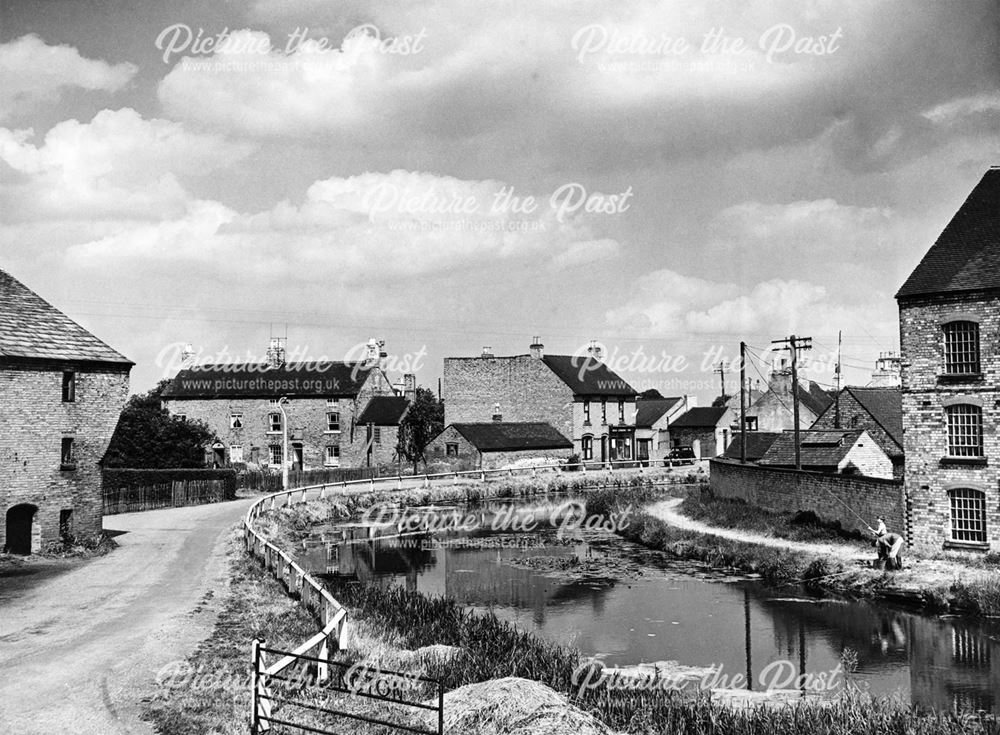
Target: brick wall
x,y
867,458
825,495
307,423
925,435
35,421
436,451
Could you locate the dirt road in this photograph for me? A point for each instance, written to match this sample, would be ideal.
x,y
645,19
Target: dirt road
x,y
79,652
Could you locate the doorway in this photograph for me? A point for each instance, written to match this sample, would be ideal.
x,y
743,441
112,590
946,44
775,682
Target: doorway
x,y
23,535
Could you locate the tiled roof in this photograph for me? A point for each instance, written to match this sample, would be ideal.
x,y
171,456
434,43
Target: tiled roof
x,y
823,448
587,377
255,380
815,398
966,256
885,406
498,436
650,410
758,442
31,327
700,417
384,410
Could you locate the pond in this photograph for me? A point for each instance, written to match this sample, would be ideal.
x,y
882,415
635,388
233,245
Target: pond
x,y
627,605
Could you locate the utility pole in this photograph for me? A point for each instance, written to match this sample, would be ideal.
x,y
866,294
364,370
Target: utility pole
x,y
721,370
794,345
284,442
836,407
743,405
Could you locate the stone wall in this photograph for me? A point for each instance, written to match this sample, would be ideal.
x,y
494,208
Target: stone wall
x,y
828,496
929,474
35,422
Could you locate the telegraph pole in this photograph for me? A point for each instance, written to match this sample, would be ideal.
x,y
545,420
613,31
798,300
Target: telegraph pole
x,y
794,345
721,370
743,404
836,408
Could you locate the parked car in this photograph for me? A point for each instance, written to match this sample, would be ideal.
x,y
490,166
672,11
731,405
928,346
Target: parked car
x,y
680,455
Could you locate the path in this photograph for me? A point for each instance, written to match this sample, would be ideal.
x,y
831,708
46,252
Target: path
x,y
667,512
79,652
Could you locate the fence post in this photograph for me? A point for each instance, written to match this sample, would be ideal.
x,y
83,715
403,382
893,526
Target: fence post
x,y
427,481
440,708
399,482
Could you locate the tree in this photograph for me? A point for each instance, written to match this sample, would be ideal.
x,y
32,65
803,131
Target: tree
x,y
651,393
148,437
720,401
422,422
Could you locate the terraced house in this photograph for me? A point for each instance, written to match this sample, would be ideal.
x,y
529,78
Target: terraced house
x,y
338,414
62,390
949,321
577,395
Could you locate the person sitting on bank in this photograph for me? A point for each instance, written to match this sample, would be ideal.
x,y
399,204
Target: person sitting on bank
x,y
889,546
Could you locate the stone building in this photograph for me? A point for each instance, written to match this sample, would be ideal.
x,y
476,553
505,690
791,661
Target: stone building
x,y
652,425
62,390
949,323
325,403
380,420
877,410
579,396
773,410
704,429
839,451
497,444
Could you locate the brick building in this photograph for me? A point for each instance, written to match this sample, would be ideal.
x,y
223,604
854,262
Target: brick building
x,y
835,451
705,429
652,425
949,323
877,410
326,404
497,444
62,390
579,396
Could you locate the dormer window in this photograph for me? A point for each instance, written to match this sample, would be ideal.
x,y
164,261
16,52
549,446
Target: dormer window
x,y
961,348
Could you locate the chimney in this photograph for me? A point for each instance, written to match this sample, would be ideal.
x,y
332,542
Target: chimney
x,y
594,350
487,352
410,386
383,356
372,352
187,356
537,348
497,416
276,352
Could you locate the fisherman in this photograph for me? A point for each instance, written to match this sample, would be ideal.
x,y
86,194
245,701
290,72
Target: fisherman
x,y
880,529
888,546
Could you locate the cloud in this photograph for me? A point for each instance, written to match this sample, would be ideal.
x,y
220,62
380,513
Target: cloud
x,y
31,71
118,165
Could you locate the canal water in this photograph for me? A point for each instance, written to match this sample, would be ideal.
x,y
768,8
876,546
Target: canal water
x,y
627,605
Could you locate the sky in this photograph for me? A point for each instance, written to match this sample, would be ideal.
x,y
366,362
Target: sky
x,y
666,178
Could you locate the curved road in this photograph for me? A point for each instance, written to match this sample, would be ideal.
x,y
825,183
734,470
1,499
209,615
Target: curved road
x,y
80,651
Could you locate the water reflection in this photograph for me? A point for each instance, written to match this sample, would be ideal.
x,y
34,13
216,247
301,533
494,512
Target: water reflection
x,y
683,612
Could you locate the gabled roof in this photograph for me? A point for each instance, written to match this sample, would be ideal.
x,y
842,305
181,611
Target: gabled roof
x,y
815,398
885,406
822,448
256,380
966,255
31,328
384,410
499,436
650,410
700,417
586,376
758,442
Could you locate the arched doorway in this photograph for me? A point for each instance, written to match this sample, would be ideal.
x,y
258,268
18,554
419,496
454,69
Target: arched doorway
x,y
22,531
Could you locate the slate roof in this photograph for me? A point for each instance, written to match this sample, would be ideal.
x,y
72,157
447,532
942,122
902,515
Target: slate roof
x,y
384,410
821,448
255,380
700,417
758,442
885,406
966,255
587,377
650,410
500,436
815,398
30,327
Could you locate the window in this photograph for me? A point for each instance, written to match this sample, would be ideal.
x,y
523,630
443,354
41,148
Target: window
x,y
332,421
275,451
235,452
377,434
69,386
65,523
68,454
274,422
332,458
751,423
587,447
968,515
451,449
621,448
604,411
961,348
236,420
965,430
621,411
586,412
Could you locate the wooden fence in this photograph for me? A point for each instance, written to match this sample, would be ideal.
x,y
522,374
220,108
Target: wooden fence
x,y
174,494
269,481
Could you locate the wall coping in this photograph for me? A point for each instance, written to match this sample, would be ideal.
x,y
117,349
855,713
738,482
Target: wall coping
x,y
805,473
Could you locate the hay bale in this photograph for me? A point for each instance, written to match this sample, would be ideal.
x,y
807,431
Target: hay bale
x,y
514,706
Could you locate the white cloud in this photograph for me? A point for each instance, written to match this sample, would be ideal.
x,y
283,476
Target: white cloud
x,y
31,71
949,112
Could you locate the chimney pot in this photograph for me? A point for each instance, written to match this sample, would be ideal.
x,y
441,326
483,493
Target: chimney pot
x,y
487,351
537,348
